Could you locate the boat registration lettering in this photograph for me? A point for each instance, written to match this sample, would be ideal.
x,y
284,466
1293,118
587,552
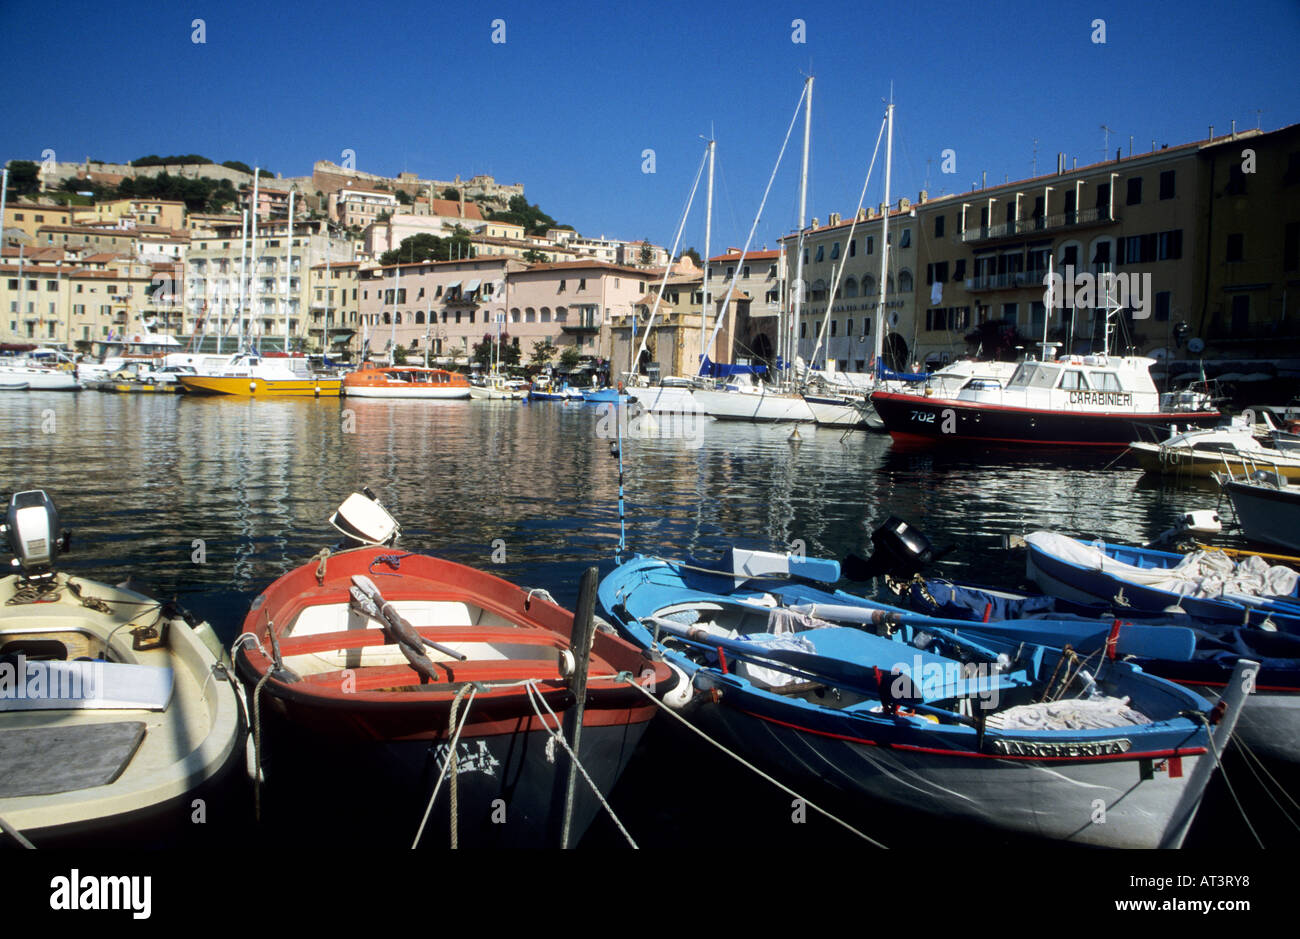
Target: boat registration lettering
x,y
925,417
471,757
1039,748
1112,399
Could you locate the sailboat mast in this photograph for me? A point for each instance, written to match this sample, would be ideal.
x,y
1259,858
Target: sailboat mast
x,y
798,286
252,243
288,268
708,231
243,278
884,238
392,333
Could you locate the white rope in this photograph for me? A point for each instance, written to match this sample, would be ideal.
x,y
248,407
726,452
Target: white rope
x,y
446,764
535,695
742,761
1209,729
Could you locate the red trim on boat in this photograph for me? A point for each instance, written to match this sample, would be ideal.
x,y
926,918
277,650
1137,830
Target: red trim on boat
x,y
1179,417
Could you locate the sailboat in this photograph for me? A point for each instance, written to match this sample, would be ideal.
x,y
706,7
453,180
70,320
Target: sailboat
x,y
496,386
741,398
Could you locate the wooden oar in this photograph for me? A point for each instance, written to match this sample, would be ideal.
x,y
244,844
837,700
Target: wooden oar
x,y
395,625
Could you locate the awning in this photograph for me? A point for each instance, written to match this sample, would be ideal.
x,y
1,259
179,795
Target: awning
x,y
453,285
472,286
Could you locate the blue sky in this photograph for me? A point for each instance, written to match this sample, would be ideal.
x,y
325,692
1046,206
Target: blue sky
x,y
577,92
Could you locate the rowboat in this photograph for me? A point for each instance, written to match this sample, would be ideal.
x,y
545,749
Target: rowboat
x,y
884,705
116,710
1203,452
376,673
404,381
1207,586
1270,719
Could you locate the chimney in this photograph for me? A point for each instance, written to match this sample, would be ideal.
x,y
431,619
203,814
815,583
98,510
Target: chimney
x,y
984,180
923,196
834,219
814,222
1211,131
862,214
1234,128
904,203
1119,154
1075,164
1060,163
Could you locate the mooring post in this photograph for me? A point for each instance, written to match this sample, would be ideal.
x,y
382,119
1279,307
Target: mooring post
x,y
584,626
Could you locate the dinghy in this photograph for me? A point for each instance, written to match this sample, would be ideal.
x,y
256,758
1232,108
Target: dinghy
x,y
1207,586
393,686
1270,719
884,705
116,710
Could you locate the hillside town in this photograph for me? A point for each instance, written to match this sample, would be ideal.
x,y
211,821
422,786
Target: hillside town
x,y
1215,223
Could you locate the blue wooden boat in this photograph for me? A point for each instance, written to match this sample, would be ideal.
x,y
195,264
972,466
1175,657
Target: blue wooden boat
x,y
880,703
604,396
1270,719
1146,580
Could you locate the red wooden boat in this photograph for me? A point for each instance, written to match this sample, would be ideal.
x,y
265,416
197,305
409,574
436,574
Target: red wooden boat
x,y
355,716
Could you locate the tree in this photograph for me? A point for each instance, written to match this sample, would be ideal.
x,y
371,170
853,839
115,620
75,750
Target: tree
x,y
693,255
24,177
451,194
543,351
403,197
510,353
570,358
533,256
238,165
532,218
399,354
647,254
421,247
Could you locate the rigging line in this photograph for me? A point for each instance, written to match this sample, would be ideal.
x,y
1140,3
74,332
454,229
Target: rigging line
x,y
844,258
1245,751
731,288
636,360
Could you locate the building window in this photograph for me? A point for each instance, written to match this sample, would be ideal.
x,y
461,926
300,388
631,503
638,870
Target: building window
x,y
835,253
1167,184
834,327
1236,247
1236,180
938,226
1241,313
871,244
1162,306
1135,191
905,239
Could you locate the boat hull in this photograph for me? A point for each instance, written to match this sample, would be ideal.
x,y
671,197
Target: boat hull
x,y
1267,515
510,792
252,387
442,394
761,406
667,400
929,420
1048,799
833,411
1173,461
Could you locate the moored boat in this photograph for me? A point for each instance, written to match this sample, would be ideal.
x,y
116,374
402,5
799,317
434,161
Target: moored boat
x,y
404,381
1095,400
1202,452
116,710
21,376
884,706
1270,718
251,375
359,661
1205,585
1266,504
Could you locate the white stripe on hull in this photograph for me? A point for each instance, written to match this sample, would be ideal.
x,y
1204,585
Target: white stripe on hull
x,y
676,400
442,393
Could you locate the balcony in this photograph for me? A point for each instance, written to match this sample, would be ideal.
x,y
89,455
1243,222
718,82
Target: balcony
x,y
581,324
1012,280
1065,221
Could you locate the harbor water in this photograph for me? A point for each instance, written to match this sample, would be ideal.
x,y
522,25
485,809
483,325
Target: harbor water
x,y
210,499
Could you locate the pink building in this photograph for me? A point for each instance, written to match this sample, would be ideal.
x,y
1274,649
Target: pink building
x,y
572,302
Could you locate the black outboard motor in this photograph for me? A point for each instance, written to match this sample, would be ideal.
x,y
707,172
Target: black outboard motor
x,y
31,528
900,552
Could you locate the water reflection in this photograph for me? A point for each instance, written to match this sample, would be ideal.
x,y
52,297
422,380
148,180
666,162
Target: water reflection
x,y
141,478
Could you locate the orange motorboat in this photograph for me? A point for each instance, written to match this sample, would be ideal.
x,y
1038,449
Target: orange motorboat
x,y
404,381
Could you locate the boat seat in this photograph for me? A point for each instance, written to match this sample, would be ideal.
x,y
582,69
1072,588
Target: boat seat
x,y
45,760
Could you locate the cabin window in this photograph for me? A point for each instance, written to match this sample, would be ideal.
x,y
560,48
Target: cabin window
x,y
1072,380
1106,381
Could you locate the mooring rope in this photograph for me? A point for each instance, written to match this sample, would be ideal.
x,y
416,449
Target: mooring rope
x,y
535,695
743,762
1219,766
257,744
15,834
1250,756
455,739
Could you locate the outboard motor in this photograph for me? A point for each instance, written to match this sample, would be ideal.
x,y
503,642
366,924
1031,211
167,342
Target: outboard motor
x,y
900,552
363,521
31,528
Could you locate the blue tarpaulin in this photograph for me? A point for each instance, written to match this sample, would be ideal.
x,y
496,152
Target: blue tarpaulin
x,y
713,369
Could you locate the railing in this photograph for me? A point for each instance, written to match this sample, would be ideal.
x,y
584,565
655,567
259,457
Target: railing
x,y
1100,215
1009,280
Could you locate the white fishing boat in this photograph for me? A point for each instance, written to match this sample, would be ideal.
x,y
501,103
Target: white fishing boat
x,y
116,711
1205,451
1267,505
498,387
